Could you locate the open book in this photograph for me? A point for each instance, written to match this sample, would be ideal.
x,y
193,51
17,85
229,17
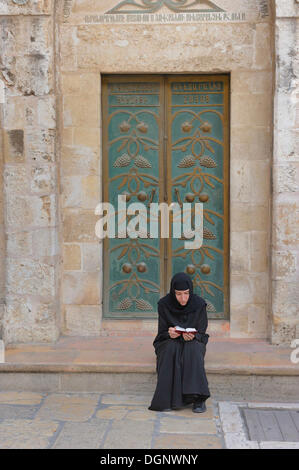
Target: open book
x,y
179,329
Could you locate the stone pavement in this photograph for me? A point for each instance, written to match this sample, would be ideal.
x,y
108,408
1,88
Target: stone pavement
x,y
30,420
83,420
62,395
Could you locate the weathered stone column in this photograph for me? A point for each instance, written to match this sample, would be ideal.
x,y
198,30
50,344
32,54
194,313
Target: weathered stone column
x,y
285,210
31,312
2,230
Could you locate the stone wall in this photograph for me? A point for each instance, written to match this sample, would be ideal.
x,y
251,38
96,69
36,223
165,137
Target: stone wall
x,y
30,177
2,228
54,55
89,48
285,228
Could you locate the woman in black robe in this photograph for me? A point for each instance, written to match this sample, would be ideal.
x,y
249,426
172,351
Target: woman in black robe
x,y
181,377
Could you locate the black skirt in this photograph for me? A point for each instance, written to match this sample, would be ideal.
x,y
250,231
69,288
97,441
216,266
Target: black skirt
x,y
180,373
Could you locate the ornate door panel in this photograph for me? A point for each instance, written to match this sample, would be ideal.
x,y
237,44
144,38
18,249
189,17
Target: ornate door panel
x,y
133,165
165,139
197,171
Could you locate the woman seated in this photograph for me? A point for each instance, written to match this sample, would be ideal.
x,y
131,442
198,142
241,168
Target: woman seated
x,y
181,377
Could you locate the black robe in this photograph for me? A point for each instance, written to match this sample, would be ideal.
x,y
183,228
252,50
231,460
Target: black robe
x,y
179,363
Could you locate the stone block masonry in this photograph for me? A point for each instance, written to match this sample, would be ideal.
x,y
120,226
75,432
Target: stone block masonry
x,y
51,262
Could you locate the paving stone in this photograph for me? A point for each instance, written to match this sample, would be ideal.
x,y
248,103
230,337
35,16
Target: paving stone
x,y
141,415
188,413
26,434
118,412
116,399
81,435
17,411
113,412
234,440
20,398
68,407
183,441
187,425
129,434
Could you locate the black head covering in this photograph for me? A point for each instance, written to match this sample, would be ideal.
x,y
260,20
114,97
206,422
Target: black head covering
x,y
181,281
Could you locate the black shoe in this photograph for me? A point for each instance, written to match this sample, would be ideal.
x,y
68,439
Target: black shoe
x,y
199,407
166,409
188,400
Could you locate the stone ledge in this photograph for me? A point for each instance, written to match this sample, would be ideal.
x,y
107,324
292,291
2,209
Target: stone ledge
x,y
135,354
122,368
222,387
82,368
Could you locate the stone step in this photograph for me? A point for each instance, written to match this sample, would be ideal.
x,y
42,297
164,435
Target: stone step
x,y
236,369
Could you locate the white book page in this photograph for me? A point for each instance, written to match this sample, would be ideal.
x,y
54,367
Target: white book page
x,y
179,328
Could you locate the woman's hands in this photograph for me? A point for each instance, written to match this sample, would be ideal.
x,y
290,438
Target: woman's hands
x,y
173,334
188,336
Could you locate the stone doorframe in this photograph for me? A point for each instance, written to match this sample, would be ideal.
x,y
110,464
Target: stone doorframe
x,y
50,135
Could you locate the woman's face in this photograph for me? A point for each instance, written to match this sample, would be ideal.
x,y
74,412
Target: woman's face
x,y
182,296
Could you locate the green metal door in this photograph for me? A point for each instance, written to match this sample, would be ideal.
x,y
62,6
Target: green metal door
x,y
165,139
